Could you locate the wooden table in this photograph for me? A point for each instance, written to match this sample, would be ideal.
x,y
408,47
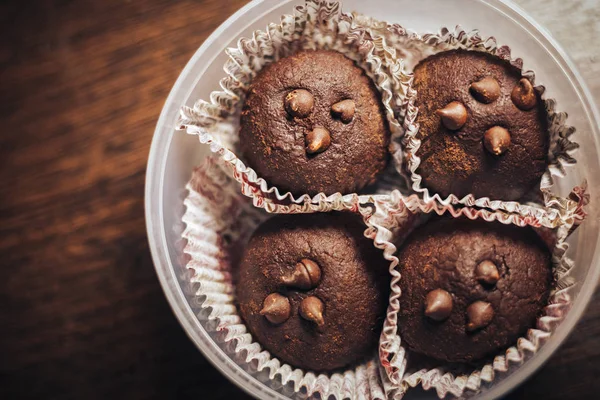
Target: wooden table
x,y
82,314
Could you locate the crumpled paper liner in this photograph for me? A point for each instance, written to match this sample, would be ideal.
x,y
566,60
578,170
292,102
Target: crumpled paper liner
x,y
316,25
218,219
388,228
412,48
218,223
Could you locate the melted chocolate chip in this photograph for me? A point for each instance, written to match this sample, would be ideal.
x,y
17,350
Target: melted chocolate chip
x,y
344,110
486,90
438,305
486,272
479,315
496,140
299,103
317,140
276,308
311,309
453,115
523,95
306,275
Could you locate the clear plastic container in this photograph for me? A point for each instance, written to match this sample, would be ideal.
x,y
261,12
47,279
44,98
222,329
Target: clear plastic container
x,y
173,154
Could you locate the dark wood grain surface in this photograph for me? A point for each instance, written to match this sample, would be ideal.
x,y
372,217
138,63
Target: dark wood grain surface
x,y
82,314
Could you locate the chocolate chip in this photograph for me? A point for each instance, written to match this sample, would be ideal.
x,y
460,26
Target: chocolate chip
x,y
306,275
299,103
496,140
276,308
317,140
479,315
487,272
486,90
523,95
438,305
311,309
344,110
454,115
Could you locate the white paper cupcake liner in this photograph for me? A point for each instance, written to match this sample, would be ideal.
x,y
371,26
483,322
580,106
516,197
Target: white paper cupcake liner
x,y
412,48
388,228
218,222
316,25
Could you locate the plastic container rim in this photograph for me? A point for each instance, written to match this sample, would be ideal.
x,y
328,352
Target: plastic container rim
x,y
157,239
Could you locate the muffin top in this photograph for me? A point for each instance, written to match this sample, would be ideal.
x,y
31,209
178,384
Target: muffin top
x,y
482,126
313,122
470,288
314,290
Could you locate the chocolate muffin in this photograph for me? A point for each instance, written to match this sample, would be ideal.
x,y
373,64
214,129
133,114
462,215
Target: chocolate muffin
x,y
313,290
313,122
470,288
482,126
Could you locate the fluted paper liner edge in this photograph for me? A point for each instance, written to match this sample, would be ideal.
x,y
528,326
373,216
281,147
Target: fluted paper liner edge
x,y
387,230
412,47
322,24
219,220
316,25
